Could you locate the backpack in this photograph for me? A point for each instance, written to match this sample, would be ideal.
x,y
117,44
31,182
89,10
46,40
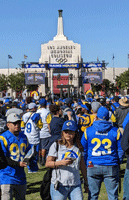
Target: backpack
x,y
45,186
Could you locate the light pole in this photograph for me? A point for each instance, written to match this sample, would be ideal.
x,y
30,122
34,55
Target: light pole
x,y
71,79
113,68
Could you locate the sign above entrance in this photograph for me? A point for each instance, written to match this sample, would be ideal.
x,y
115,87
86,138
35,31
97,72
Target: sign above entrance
x,y
72,65
34,66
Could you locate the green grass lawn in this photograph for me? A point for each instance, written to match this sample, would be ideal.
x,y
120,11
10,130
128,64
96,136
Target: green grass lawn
x,y
34,182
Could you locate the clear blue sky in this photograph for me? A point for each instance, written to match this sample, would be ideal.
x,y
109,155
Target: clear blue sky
x,y
100,26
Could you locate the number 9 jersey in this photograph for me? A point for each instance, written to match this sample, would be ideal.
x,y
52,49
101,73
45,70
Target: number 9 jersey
x,y
101,143
15,148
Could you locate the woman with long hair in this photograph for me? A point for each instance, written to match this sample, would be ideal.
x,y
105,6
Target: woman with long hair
x,y
66,162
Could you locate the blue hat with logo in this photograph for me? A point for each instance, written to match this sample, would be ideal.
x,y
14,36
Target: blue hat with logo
x,y
103,113
42,102
69,125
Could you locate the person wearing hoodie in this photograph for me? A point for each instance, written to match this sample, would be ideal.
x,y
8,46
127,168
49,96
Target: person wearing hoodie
x,y
103,155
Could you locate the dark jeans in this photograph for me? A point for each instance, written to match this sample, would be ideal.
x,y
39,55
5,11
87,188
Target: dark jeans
x,y
126,185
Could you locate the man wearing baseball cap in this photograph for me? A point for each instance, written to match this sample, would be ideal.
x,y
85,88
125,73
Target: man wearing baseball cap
x,y
45,130
32,125
103,154
14,145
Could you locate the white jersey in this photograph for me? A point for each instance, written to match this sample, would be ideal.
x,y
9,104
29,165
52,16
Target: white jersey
x,y
31,130
46,119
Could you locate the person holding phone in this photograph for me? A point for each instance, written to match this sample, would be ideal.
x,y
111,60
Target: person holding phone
x,y
67,161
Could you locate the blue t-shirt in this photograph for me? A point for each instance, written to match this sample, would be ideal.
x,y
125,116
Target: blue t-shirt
x,y
15,148
56,126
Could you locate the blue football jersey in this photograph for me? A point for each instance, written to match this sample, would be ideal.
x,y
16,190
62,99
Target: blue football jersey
x,y
15,148
102,147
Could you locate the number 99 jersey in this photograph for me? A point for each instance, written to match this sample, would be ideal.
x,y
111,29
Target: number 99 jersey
x,y
102,148
13,147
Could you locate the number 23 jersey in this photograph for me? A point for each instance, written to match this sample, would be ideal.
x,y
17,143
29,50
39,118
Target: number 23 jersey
x,y
101,144
13,147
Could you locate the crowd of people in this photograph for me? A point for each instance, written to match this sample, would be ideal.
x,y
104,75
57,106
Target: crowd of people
x,y
92,136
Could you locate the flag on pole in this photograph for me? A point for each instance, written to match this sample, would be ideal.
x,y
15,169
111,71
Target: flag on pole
x,y
113,57
128,55
10,57
97,59
25,57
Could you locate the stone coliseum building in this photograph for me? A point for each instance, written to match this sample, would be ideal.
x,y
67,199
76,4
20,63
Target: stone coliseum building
x,y
60,66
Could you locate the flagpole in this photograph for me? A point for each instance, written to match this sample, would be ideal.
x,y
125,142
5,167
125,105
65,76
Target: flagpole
x,y
25,57
8,66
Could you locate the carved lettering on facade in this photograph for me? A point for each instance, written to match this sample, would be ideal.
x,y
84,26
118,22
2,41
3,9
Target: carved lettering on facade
x,y
61,51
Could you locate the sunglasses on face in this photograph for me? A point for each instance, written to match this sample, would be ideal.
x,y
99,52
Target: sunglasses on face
x,y
69,132
15,123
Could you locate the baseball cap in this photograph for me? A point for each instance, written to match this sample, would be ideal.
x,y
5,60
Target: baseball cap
x,y
13,117
31,106
69,125
42,102
103,113
6,101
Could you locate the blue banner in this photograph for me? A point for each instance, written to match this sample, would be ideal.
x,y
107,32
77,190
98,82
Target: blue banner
x,y
92,65
34,66
73,65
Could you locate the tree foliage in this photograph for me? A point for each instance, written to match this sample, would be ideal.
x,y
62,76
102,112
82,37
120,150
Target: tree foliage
x,y
106,86
123,80
96,88
17,81
3,82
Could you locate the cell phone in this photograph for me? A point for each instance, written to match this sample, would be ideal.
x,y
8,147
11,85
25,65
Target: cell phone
x,y
56,185
72,159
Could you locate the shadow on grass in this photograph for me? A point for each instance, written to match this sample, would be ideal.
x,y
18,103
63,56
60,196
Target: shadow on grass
x,y
122,172
125,160
42,169
33,190
33,184
33,187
